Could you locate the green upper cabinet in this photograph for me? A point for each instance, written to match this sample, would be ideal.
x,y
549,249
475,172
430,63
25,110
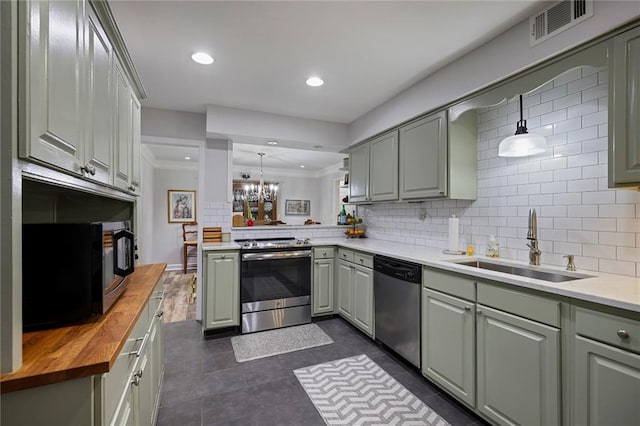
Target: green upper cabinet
x,y
323,272
423,157
359,174
53,67
624,109
383,167
99,123
222,290
430,157
78,106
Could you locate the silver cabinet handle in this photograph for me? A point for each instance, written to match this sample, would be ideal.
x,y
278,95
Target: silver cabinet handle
x,y
623,334
324,253
160,314
479,312
131,188
223,256
88,168
158,295
135,380
317,262
467,308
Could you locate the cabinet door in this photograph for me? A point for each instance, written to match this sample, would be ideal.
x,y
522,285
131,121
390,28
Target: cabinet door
x,y
222,290
448,343
345,290
423,157
624,110
125,415
98,142
123,147
359,174
518,369
54,69
363,299
383,167
156,347
607,384
135,142
323,286
144,390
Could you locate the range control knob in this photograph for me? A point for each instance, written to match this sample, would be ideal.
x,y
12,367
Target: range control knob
x,y
410,275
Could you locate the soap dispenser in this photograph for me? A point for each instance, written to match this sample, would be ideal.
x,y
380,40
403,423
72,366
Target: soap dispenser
x,y
493,247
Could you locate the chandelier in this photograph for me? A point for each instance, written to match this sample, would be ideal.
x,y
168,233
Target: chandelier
x,y
261,192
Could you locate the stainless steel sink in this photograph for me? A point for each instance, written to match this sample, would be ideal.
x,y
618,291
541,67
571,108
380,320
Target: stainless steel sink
x,y
524,271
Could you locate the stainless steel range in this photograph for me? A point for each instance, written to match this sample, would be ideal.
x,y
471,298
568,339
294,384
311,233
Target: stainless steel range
x,y
275,283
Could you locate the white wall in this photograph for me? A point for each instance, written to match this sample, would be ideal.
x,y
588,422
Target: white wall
x,y
577,213
503,56
167,237
172,124
236,124
145,209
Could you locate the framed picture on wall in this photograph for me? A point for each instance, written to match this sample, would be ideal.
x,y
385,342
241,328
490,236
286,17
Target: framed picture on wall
x,y
299,207
181,205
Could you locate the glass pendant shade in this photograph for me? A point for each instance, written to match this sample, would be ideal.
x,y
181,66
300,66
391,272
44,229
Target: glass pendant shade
x,y
523,143
261,192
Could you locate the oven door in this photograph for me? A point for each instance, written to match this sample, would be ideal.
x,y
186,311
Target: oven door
x,y
275,279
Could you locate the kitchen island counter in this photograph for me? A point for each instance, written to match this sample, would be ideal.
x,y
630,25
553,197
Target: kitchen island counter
x,y
91,348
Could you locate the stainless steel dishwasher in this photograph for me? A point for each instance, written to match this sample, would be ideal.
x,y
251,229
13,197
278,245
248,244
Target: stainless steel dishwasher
x,y
397,302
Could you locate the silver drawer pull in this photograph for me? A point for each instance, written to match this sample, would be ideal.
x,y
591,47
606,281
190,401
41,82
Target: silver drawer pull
x,y
160,314
142,345
623,334
467,308
479,312
158,295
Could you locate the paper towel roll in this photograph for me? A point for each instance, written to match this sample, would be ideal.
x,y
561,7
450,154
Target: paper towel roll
x,y
453,233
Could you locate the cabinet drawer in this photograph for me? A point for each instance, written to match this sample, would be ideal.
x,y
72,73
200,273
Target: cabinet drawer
x,y
618,331
362,259
323,252
449,283
345,254
518,303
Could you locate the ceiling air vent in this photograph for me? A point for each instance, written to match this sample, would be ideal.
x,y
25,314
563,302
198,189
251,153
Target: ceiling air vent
x,y
557,18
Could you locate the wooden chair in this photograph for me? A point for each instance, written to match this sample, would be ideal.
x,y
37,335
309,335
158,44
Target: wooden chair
x,y
189,242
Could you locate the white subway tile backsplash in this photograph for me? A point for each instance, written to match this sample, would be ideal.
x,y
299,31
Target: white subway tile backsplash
x,y
599,144
617,267
595,93
567,101
598,224
567,174
619,239
594,119
599,251
567,198
567,76
582,108
582,160
553,187
567,126
585,237
618,210
582,185
600,197
555,93
583,134
582,211
553,163
628,225
582,84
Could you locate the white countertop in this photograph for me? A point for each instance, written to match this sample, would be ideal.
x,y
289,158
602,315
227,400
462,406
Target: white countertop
x,y
607,289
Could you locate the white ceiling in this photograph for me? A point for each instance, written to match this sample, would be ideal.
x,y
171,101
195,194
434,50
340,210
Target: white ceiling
x,y
366,51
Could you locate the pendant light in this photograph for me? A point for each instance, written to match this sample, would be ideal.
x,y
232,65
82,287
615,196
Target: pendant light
x,y
522,143
261,192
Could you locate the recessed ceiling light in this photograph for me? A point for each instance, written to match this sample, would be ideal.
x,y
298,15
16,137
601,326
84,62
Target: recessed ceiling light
x,y
202,58
272,142
302,166
187,158
315,81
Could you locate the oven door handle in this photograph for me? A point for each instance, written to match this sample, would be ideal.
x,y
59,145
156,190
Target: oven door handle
x,y
276,255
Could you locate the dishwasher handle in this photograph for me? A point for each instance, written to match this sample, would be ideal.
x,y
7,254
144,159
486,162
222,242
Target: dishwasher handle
x,y
399,269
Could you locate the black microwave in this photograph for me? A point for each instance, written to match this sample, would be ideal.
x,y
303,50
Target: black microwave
x,y
73,271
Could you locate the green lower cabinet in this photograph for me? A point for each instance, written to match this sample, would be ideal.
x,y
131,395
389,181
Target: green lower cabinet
x,y
363,299
323,270
607,384
355,295
448,343
345,290
222,290
518,364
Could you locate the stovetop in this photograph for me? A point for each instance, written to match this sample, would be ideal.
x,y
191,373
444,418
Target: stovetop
x,y
273,243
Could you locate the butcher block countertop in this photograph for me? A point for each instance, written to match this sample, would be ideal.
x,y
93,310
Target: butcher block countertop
x,y
52,356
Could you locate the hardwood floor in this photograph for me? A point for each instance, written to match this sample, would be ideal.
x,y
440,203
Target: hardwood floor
x,y
179,296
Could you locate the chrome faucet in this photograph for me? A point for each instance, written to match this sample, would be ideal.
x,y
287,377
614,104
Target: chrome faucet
x,y
532,236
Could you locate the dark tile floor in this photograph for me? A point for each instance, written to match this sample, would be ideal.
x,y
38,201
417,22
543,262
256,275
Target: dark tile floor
x,y
204,385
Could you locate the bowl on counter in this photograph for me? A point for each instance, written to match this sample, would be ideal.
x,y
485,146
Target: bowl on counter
x,y
356,231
